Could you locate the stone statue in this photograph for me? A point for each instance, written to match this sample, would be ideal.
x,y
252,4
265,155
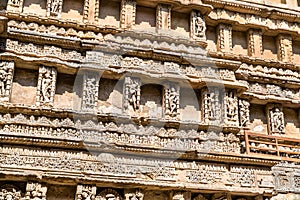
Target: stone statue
x,y
172,101
244,112
132,93
277,120
198,25
4,72
46,85
231,104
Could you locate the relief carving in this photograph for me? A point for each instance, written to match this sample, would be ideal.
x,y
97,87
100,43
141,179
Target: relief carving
x,y
54,7
255,43
10,192
171,99
211,106
132,94
275,119
244,112
134,196
198,26
46,86
231,107
285,48
224,42
128,12
35,191
163,16
6,78
86,192
90,90
108,194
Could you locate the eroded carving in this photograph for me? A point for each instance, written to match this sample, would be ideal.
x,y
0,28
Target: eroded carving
x,y
132,93
10,192
86,192
35,191
198,26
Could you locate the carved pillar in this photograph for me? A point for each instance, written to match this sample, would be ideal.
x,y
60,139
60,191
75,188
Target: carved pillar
x,y
15,5
231,108
35,191
211,106
285,48
8,191
137,195
85,192
132,94
54,8
46,86
6,79
224,42
90,90
91,10
255,45
275,118
244,112
198,26
181,196
163,17
128,11
171,101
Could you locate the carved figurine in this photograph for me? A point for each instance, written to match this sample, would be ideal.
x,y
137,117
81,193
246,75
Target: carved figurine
x,y
198,25
172,101
277,120
46,86
244,112
132,93
3,78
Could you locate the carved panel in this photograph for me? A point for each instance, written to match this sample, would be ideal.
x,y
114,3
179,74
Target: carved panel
x,y
275,118
10,192
54,7
255,45
285,48
171,101
163,16
6,78
211,105
86,192
224,42
46,86
244,112
108,194
90,90
128,12
137,195
35,191
231,108
198,26
132,94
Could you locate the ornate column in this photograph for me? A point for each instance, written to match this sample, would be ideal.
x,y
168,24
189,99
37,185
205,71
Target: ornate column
x,y
132,94
255,45
85,192
54,8
275,118
35,191
285,48
224,42
181,196
211,106
244,112
171,101
46,86
198,26
137,195
128,11
231,117
6,79
15,5
90,90
91,10
163,16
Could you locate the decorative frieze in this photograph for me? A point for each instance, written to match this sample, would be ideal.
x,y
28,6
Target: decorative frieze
x,y
90,90
35,191
128,12
231,108
285,48
46,86
255,43
54,8
198,26
244,112
224,40
6,78
275,118
86,192
132,94
171,101
211,106
163,16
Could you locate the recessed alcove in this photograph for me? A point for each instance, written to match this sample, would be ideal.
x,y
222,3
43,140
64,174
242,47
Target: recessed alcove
x,y
73,10
151,100
269,48
109,13
180,22
35,7
190,104
239,42
145,17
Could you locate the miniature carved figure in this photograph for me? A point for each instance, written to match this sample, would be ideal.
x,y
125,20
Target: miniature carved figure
x,y
90,91
9,192
132,93
198,25
277,120
86,192
4,72
46,85
211,105
244,112
172,101
231,104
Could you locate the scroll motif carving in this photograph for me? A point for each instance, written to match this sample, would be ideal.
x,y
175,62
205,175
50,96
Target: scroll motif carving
x,y
163,16
171,99
134,196
10,192
224,42
108,194
132,93
54,7
255,45
231,107
128,12
46,86
244,112
198,26
275,119
86,192
90,90
285,49
211,106
35,191
6,78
